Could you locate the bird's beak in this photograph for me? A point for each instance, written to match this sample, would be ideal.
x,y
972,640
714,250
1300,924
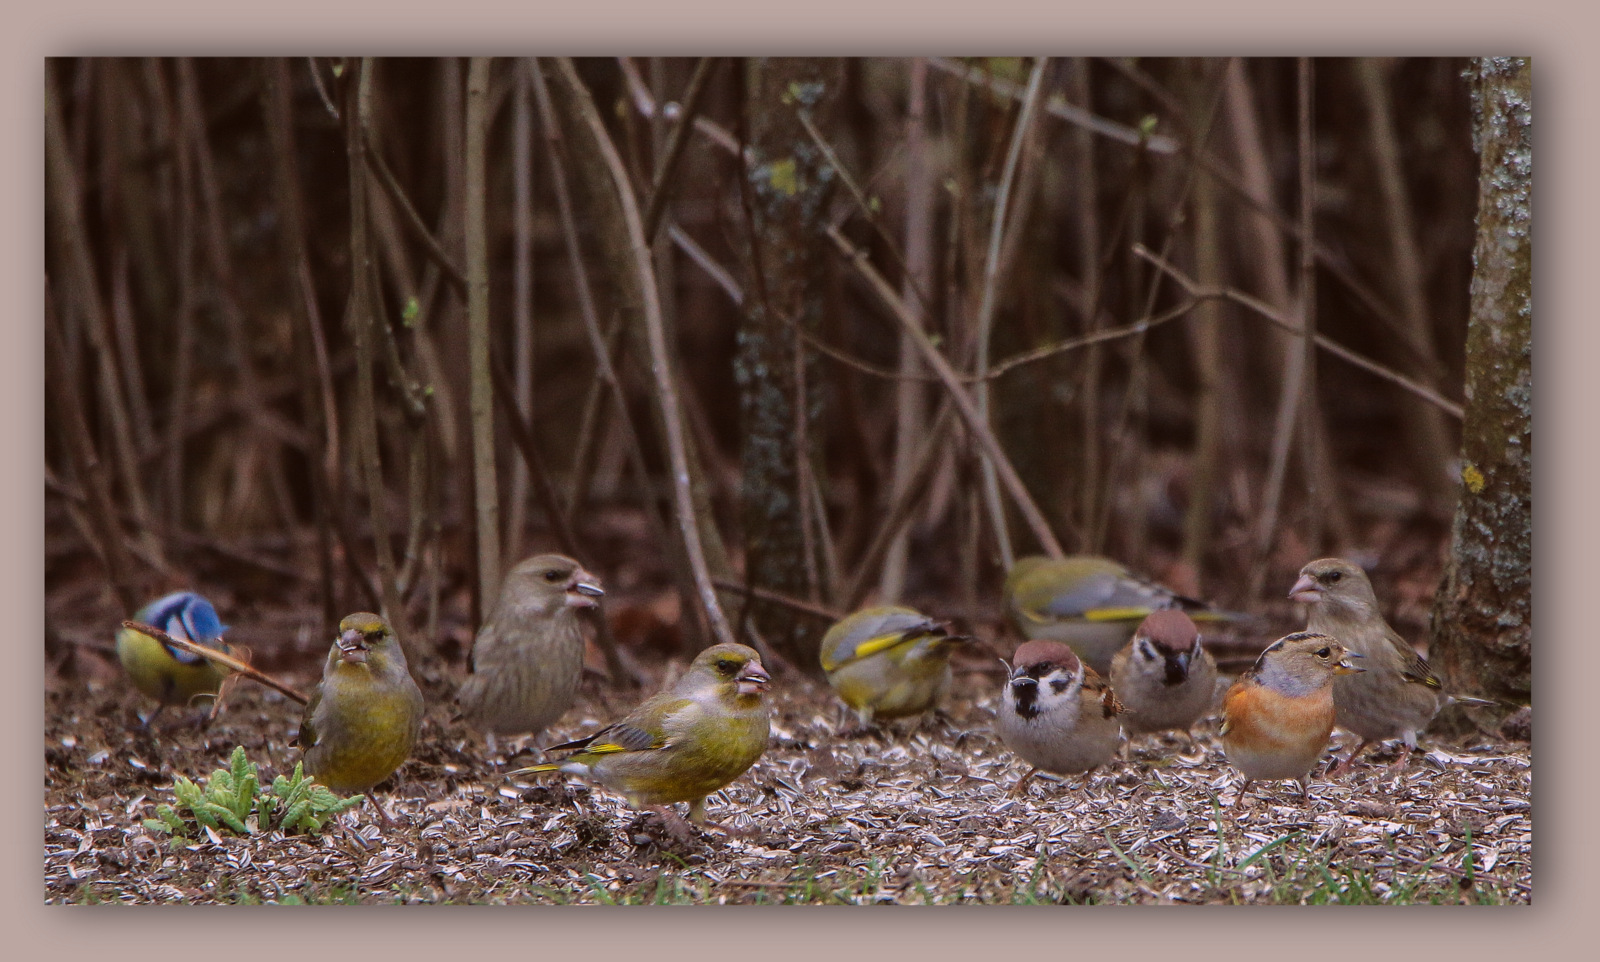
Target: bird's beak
x,y
753,679
1022,682
1305,590
353,647
1344,667
583,589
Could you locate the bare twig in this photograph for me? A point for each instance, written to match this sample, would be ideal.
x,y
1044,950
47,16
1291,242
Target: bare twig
x,y
666,394
964,404
661,187
217,657
486,493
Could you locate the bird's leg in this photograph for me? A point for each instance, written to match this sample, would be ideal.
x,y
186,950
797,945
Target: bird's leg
x,y
1019,789
383,816
1242,790
680,830
149,719
1344,766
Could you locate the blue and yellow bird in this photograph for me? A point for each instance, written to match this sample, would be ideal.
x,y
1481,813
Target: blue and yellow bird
x,y
171,675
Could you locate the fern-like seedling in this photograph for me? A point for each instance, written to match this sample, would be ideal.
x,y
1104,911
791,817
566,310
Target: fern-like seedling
x,y
232,799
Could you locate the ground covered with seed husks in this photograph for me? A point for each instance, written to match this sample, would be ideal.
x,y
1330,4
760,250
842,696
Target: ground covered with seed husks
x,y
911,813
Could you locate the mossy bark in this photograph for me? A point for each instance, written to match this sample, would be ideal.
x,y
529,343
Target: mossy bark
x,y
789,182
1483,613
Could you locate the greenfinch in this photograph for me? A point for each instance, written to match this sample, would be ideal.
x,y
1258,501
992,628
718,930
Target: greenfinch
x,y
1164,675
684,743
1397,694
362,721
173,676
1056,713
1276,718
1089,602
888,662
527,659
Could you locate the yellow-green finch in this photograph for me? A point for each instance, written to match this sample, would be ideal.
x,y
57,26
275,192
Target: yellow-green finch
x,y
1164,675
363,718
1091,603
1398,694
888,662
527,659
684,743
173,676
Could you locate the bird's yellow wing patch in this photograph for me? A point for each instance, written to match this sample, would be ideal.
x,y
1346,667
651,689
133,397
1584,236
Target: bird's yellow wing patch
x,y
1115,614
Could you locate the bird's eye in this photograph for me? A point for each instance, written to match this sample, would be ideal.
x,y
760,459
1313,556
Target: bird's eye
x,y
1322,652
1334,576
727,666
552,576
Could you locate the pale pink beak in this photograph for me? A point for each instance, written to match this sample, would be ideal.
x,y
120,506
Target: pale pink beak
x,y
582,590
353,647
753,679
1306,590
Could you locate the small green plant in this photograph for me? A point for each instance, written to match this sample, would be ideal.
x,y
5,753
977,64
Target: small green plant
x,y
232,798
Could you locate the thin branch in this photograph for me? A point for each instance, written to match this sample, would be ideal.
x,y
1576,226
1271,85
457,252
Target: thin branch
x,y
218,657
660,360
486,493
660,191
964,404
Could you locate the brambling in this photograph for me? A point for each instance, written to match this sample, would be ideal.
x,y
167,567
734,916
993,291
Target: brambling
x,y
1056,713
1278,715
1091,603
1399,694
1163,675
362,721
888,662
173,676
684,743
527,659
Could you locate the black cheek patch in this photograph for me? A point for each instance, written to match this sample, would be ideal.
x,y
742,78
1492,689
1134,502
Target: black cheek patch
x,y
1026,696
1060,685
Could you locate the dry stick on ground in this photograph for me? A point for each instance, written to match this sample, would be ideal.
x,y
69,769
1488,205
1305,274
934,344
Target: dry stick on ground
x,y
964,404
505,393
221,658
362,320
666,395
988,302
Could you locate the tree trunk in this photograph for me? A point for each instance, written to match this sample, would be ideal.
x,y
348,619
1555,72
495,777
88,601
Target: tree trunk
x,y
788,183
1483,614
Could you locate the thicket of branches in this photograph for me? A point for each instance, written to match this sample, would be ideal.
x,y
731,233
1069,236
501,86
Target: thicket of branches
x,y
826,329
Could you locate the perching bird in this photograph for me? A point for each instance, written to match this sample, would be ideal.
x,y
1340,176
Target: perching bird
x,y
173,676
363,719
1278,715
1164,675
527,659
1056,712
1091,603
684,743
888,662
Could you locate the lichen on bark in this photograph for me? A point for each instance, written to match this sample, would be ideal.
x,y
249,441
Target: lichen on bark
x,y
1483,613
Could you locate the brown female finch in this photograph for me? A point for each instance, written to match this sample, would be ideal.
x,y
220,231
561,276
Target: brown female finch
x,y
528,657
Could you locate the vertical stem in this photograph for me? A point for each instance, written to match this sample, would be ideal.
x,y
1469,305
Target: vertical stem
x,y
485,490
522,284
991,285
1089,264
1308,312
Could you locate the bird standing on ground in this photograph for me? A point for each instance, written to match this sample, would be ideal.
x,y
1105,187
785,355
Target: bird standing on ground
x,y
362,721
1278,715
684,743
173,676
1091,603
527,658
888,662
1163,675
1056,713
1398,694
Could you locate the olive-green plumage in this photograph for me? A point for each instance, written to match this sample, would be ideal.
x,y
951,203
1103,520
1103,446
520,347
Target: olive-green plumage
x,y
363,719
169,675
684,743
527,659
1092,603
888,661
